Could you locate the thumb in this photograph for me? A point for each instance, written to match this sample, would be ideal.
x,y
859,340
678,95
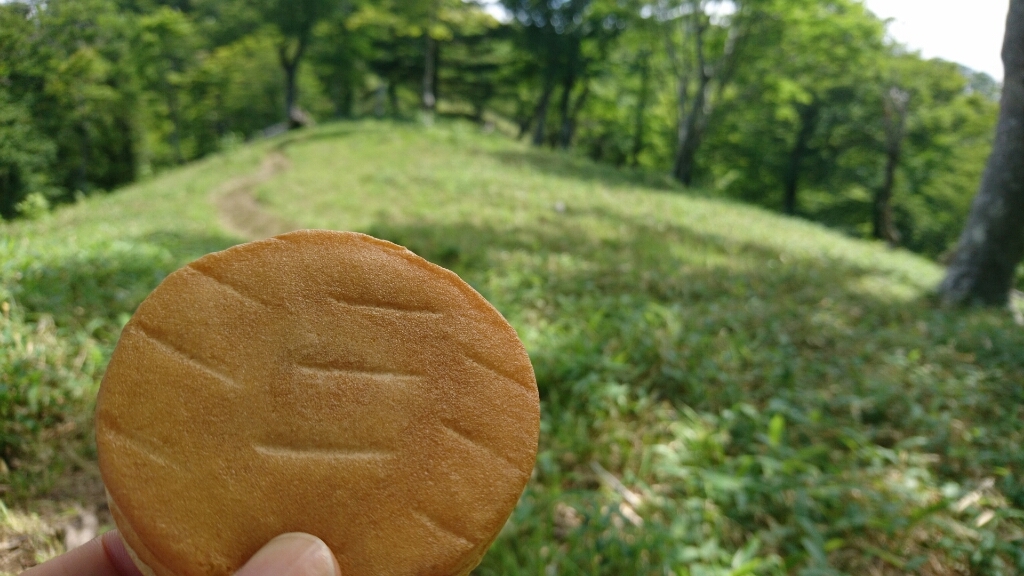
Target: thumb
x,y
292,554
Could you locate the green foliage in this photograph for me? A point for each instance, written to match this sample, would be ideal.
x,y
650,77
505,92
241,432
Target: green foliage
x,y
35,205
68,283
68,123
89,100
338,56
237,87
295,19
478,67
97,93
949,139
25,156
167,42
47,385
804,112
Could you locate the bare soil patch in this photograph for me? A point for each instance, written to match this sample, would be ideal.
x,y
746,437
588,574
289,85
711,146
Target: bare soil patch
x,y
241,212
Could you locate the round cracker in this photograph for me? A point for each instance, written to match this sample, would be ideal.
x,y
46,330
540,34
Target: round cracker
x,y
320,382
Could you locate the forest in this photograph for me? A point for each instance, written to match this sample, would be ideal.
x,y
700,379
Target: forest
x,y
804,107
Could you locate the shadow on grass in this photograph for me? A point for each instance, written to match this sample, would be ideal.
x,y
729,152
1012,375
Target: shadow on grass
x,y
566,165
694,318
710,323
333,130
97,287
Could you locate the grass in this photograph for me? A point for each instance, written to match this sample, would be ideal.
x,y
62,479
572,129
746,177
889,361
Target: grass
x,y
724,390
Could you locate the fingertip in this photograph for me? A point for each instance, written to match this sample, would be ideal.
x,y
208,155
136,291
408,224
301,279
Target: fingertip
x,y
292,554
117,554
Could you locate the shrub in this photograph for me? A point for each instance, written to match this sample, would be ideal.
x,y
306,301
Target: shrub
x,y
47,386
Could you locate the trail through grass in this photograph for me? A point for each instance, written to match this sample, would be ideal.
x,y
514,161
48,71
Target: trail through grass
x,y
724,390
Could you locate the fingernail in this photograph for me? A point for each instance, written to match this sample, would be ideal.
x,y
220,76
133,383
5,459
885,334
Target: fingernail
x,y
293,554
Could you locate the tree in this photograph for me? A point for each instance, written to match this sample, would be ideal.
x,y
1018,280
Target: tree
x,y
441,22
429,97
949,136
338,57
567,39
895,121
25,154
479,67
643,97
625,114
711,39
552,33
295,20
795,110
25,157
831,53
407,41
86,96
992,242
394,53
166,46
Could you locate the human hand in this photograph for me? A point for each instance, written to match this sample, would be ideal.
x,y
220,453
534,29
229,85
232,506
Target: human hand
x,y
293,554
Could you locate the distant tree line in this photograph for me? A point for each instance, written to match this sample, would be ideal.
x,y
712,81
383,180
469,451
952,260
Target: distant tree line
x,y
802,106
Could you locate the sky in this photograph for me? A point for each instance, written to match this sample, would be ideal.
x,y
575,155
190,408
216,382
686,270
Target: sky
x,y
969,32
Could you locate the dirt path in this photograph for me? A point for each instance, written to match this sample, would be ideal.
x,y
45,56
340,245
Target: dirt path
x,y
239,210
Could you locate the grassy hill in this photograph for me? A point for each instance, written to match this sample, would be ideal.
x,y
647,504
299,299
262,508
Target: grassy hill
x,y
724,390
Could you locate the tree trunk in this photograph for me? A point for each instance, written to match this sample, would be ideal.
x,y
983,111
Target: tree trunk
x,y
82,173
290,90
882,227
523,118
691,126
712,79
565,132
290,64
220,126
393,99
992,243
641,108
429,98
172,104
378,99
342,99
541,114
347,100
808,122
524,127
569,129
895,126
